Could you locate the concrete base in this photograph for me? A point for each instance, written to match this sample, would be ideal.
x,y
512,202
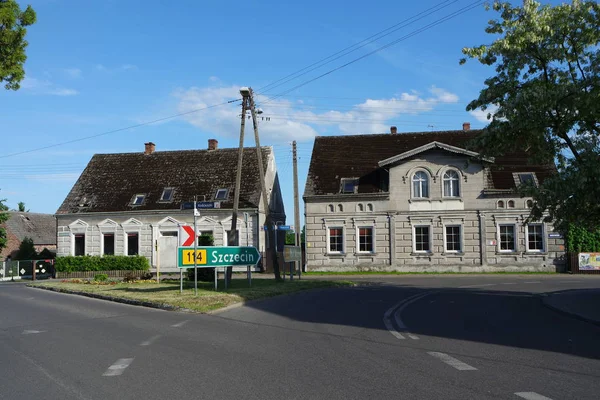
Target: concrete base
x,y
436,268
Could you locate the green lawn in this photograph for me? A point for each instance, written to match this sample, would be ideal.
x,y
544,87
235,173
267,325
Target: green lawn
x,y
167,293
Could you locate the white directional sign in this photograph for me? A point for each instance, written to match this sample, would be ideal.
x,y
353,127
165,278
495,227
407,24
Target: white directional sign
x,y
22,271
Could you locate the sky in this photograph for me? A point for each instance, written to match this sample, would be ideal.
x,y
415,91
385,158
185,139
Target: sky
x,y
99,72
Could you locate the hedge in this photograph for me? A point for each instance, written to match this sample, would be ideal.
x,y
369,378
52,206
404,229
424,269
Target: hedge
x,y
104,263
581,240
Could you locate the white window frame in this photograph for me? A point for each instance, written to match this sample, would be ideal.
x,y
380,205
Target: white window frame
x,y
444,179
358,228
141,196
529,250
126,244
427,181
219,191
343,228
85,241
515,240
102,247
414,239
461,239
162,196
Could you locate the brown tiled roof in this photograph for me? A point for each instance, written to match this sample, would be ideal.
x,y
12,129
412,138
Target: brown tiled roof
x,y
41,228
336,157
110,181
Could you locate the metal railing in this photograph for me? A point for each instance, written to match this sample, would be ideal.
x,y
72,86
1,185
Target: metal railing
x,y
26,269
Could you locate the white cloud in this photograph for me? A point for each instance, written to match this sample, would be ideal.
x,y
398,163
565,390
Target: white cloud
x,y
123,67
296,121
63,92
73,72
46,87
482,116
128,67
214,79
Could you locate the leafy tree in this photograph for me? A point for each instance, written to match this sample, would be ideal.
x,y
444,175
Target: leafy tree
x,y
22,207
290,238
26,250
13,23
545,98
4,216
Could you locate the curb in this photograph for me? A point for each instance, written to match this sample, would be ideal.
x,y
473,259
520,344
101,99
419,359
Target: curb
x,y
564,312
118,300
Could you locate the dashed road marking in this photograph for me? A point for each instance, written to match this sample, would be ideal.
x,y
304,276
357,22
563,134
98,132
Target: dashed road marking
x,y
118,367
397,310
150,341
532,396
453,362
180,324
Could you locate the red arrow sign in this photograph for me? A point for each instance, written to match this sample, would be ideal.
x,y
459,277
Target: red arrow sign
x,y
190,231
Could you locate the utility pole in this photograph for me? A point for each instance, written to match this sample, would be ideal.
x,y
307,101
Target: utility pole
x,y
297,229
232,238
195,250
261,170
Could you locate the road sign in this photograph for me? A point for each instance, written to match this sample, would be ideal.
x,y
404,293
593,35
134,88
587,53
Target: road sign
x,y
22,271
213,256
292,253
186,235
189,205
283,227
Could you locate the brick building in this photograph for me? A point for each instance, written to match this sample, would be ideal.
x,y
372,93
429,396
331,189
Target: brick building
x,y
41,228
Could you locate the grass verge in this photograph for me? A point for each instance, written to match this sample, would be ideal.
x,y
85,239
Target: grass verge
x,y
166,294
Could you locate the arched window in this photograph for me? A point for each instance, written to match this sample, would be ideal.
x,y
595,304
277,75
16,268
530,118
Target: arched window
x,y
340,208
529,203
369,207
420,182
330,208
451,183
500,204
360,207
511,204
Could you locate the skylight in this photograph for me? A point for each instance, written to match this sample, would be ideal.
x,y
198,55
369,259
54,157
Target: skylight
x,y
349,185
138,199
221,194
167,194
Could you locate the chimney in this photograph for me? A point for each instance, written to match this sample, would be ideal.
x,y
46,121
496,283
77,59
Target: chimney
x,y
393,130
466,126
213,144
149,148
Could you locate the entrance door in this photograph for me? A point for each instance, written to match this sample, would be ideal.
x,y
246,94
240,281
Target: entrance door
x,y
167,251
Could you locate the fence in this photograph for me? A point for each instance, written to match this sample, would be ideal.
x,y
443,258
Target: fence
x,y
26,269
573,265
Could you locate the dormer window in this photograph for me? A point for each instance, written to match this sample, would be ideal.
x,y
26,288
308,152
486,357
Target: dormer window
x,y
138,200
221,194
420,181
525,178
349,185
167,194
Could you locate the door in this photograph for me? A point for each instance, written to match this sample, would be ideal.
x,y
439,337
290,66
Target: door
x,y
167,251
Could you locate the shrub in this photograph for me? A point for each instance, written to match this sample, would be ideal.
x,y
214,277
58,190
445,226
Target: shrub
x,y
130,277
100,277
105,263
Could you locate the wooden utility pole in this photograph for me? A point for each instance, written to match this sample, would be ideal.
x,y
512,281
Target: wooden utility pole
x,y
272,242
297,228
232,238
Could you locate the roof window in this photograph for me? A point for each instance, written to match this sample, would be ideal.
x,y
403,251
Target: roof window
x,y
525,178
138,200
167,194
221,194
349,185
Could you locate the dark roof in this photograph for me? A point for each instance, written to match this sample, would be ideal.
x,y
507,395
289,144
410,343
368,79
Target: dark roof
x,y
336,157
110,181
39,227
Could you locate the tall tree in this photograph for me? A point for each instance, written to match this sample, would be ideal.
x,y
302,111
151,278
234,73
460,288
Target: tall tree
x,y
22,207
3,218
545,98
13,23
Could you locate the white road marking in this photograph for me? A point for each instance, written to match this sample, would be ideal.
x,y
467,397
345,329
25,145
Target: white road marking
x,y
180,324
397,310
31,332
532,396
453,362
481,285
413,337
118,367
150,341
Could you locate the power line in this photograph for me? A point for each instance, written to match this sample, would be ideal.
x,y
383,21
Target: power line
x,y
354,47
413,33
118,130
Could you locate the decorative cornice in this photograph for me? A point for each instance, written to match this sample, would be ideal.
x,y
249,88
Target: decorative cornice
x,y
430,146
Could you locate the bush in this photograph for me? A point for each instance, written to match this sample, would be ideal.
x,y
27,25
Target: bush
x,y
105,263
100,277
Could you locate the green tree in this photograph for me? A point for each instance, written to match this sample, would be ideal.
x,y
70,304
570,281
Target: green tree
x,y
26,250
290,238
13,23
22,207
4,216
545,98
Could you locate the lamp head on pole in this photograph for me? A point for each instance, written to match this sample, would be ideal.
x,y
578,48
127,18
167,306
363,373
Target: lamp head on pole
x,y
245,91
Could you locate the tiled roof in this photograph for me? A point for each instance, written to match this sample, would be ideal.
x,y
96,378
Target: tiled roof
x,y
110,181
336,157
39,227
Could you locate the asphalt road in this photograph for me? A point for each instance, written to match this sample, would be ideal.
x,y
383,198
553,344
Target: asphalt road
x,y
408,337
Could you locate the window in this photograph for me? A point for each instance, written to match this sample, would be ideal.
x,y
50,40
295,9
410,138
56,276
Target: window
x,y
507,237
526,178
451,184
369,207
529,203
80,244
422,242
360,207
167,194
349,185
330,208
336,240
535,237
109,244
420,184
365,240
510,204
138,199
453,242
221,194
500,204
340,208
133,244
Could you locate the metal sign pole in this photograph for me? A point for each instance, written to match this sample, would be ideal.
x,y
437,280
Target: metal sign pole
x,y
216,273
195,250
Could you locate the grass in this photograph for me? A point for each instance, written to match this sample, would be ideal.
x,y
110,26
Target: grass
x,y
350,273
166,294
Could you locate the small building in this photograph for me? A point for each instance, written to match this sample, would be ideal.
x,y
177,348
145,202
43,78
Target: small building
x,y
133,203
41,228
422,201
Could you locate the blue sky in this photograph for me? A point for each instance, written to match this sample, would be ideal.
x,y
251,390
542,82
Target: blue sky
x,y
99,66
